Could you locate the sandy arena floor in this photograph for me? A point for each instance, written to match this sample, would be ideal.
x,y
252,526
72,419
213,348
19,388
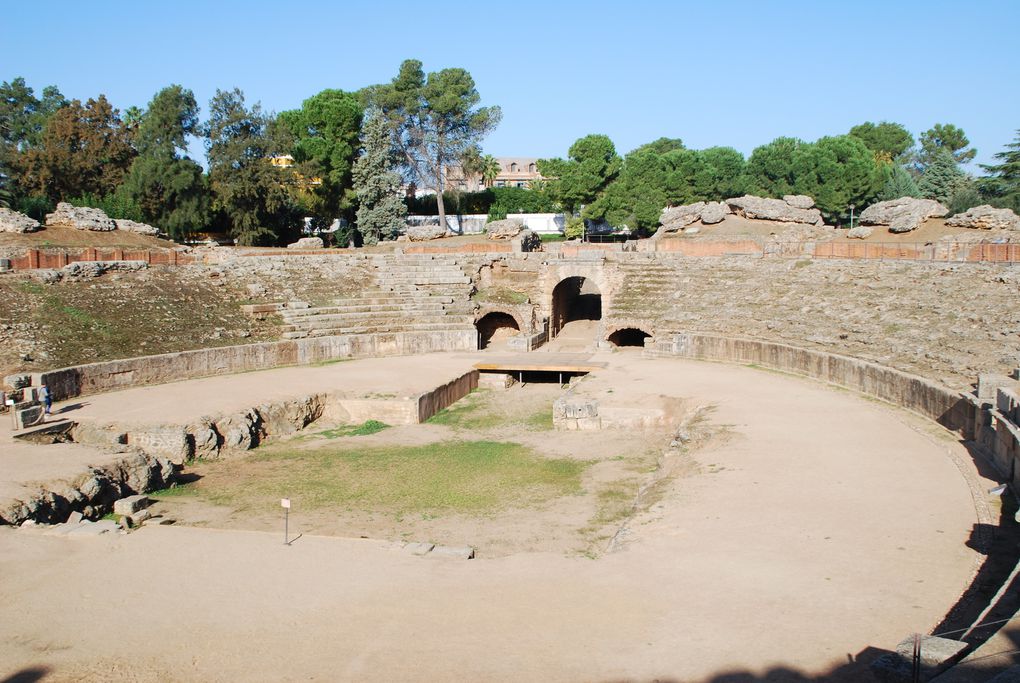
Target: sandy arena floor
x,y
823,525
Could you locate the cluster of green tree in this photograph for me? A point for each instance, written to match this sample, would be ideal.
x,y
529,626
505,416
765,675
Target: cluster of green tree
x,y
871,163
352,153
496,202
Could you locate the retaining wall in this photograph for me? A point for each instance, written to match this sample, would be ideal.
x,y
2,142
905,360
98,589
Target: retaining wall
x,y
171,367
947,407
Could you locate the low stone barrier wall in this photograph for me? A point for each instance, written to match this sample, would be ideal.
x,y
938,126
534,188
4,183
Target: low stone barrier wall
x,y
947,407
170,367
431,402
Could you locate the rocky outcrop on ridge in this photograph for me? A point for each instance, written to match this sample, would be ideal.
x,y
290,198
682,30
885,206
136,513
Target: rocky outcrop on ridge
x,y
985,217
506,229
307,243
763,208
12,221
903,214
134,226
80,218
424,233
676,218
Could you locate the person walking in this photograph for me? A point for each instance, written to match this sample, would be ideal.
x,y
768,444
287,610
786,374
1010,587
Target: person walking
x,y
47,399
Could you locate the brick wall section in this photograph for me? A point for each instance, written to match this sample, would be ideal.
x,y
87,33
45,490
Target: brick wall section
x,y
34,259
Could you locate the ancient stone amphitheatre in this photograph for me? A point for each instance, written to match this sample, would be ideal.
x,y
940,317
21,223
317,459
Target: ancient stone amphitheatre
x,y
750,448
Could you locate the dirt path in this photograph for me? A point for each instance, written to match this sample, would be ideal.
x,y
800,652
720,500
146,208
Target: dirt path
x,y
825,524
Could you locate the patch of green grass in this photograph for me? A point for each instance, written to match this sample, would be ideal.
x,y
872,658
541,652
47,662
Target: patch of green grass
x,y
499,295
174,491
364,429
456,476
552,237
539,421
467,413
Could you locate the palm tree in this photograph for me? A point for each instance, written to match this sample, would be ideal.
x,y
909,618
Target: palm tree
x,y
489,169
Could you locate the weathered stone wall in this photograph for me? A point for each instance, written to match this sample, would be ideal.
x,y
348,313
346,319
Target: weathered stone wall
x,y
431,402
944,405
145,370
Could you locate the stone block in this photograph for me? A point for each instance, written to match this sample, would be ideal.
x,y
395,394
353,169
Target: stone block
x,y
88,529
5,265
937,655
74,518
18,381
461,552
130,505
418,548
989,383
27,416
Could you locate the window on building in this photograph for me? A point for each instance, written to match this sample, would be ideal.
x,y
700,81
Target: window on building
x,y
521,183
531,168
513,168
500,183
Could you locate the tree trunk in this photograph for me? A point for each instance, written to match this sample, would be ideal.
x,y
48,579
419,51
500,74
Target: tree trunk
x,y
439,198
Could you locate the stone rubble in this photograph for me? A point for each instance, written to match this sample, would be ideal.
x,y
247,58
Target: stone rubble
x,y
424,233
985,217
133,226
506,229
307,243
903,214
763,208
80,218
12,221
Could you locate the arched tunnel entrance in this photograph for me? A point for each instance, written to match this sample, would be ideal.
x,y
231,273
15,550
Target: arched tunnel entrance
x,y
495,327
575,298
628,336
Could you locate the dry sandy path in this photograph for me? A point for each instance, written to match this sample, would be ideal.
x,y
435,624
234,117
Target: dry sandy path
x,y
182,402
823,525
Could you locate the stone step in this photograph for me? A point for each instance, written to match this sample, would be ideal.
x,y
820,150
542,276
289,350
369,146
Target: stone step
x,y
376,329
402,307
430,279
329,322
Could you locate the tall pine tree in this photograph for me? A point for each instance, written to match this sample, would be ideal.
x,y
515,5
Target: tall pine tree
x,y
1002,185
381,212
168,186
942,178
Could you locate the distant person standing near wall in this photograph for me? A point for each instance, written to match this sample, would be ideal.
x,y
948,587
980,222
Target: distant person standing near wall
x,y
47,399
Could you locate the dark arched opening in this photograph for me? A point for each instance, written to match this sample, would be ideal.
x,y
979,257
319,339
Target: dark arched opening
x,y
495,326
629,336
575,298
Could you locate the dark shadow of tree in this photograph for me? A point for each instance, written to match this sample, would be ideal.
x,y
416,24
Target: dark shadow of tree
x,y
29,675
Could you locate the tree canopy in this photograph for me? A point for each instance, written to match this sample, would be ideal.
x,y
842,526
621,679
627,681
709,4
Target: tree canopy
x,y
889,141
1002,185
250,192
577,181
381,209
83,149
169,188
324,145
947,137
432,120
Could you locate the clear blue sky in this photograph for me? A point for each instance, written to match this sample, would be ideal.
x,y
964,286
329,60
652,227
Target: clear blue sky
x,y
711,73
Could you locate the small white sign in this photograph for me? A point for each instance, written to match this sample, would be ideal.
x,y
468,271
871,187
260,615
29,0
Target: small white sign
x,y
285,503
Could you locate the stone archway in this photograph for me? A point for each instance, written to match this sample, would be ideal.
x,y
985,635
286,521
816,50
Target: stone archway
x,y
495,325
628,336
574,298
